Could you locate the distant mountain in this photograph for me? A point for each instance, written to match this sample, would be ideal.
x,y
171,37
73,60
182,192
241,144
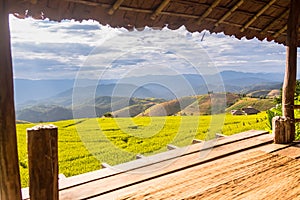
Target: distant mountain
x,y
44,113
34,90
91,108
81,95
62,92
267,77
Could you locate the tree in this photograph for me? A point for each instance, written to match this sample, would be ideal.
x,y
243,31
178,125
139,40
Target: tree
x,y
108,114
278,100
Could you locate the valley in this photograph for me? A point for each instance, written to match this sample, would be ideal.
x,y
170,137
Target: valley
x,y
153,95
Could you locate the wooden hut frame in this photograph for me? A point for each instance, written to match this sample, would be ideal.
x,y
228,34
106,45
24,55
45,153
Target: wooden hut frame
x,y
266,19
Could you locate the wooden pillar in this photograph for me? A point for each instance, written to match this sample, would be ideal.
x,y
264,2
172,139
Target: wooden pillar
x,y
43,162
10,187
281,126
290,72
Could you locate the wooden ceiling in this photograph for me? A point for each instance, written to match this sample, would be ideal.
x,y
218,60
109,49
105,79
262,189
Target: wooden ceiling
x,y
263,19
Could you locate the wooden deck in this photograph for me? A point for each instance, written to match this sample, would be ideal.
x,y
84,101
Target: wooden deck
x,y
243,166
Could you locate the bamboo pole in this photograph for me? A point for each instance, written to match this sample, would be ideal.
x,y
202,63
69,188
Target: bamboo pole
x,y
43,162
115,7
257,15
290,72
208,11
229,13
281,16
159,9
10,187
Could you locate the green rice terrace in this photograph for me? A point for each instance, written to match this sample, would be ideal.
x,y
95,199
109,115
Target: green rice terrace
x,y
83,144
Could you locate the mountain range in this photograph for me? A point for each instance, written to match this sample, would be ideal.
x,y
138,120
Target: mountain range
x,y
28,92
42,99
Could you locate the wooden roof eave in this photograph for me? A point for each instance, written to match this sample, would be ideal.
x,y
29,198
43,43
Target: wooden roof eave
x,y
263,24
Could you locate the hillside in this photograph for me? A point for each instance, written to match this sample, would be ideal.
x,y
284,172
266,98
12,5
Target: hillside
x,y
44,113
92,108
170,107
138,108
259,104
203,105
130,107
60,92
274,93
264,93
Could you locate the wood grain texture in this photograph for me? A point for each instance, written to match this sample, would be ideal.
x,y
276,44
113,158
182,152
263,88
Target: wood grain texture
x,y
292,152
113,183
291,70
253,175
10,187
155,159
43,162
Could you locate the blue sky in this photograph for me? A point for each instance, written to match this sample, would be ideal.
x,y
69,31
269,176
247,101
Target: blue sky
x,y
51,50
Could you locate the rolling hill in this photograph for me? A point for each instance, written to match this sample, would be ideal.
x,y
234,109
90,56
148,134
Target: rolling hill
x,y
170,107
257,103
91,108
130,107
136,109
44,113
206,104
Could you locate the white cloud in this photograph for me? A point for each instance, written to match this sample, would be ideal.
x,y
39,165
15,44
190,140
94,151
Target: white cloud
x,y
46,49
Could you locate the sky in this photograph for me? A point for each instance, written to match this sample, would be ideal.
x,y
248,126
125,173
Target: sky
x,y
44,49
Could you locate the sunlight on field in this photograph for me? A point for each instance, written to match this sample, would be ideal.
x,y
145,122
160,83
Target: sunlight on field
x,y
85,143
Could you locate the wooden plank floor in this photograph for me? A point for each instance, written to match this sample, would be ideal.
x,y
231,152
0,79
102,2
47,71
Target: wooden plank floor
x,y
241,166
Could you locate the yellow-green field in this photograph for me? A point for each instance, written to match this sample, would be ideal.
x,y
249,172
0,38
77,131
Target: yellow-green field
x,y
85,143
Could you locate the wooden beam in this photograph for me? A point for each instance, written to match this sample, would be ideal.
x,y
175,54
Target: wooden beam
x,y
236,6
115,7
296,107
166,13
43,162
289,83
173,14
208,11
159,9
10,187
257,15
281,16
280,31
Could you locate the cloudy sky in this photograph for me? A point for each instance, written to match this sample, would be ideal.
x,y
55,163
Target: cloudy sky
x,y
66,50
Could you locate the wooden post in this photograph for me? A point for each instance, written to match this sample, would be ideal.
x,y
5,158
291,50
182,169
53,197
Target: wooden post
x,y
290,73
43,162
10,187
281,126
